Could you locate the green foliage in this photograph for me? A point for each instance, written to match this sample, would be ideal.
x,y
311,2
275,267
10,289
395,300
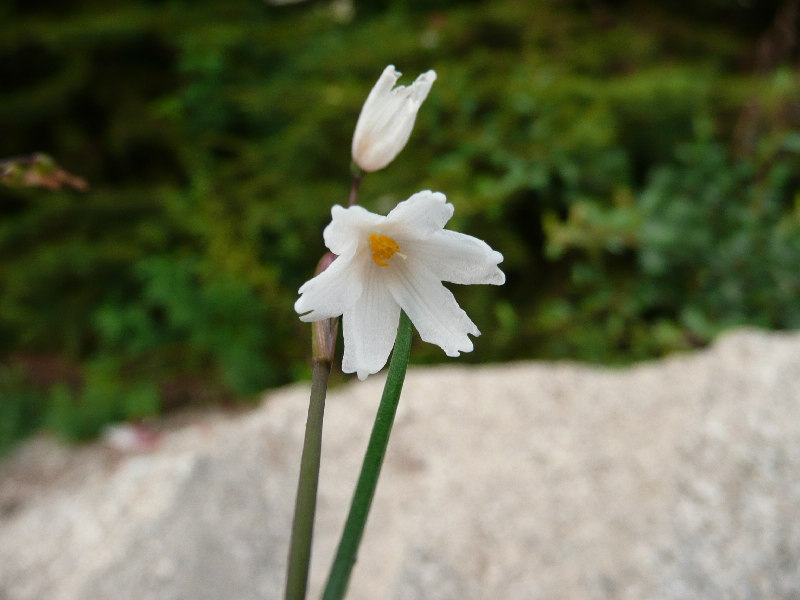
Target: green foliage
x,y
718,242
634,161
21,407
183,320
107,396
716,246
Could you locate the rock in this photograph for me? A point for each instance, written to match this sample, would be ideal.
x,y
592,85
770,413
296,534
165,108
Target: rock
x,y
673,479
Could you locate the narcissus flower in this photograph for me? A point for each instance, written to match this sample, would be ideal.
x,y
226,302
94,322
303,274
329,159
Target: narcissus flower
x,y
387,119
385,264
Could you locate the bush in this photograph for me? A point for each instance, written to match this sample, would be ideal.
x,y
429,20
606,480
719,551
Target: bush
x,y
636,163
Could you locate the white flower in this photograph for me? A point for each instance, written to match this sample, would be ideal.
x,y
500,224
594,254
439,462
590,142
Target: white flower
x,y
387,118
397,262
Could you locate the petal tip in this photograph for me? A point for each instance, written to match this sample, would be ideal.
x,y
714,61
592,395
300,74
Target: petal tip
x,y
497,277
390,75
361,373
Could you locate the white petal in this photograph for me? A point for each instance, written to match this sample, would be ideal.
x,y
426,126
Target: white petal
x,y
379,92
370,327
332,292
347,227
420,216
422,85
431,307
458,258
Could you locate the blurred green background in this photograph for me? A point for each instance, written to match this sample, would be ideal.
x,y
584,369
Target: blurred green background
x,y
637,163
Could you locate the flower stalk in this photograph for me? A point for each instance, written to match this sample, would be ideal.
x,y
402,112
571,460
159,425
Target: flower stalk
x,y
342,567
323,344
306,501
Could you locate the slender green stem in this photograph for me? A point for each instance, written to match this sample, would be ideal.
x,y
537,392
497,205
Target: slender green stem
x,y
306,502
371,467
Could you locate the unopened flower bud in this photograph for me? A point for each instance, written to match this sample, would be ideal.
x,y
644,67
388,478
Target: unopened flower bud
x,y
387,118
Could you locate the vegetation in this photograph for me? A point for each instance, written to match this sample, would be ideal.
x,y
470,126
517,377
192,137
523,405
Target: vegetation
x,y
638,164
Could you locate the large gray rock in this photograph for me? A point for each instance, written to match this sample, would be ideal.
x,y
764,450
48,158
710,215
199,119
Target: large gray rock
x,y
676,479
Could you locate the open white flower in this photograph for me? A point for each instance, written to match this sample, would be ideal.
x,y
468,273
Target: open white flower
x,y
387,118
397,262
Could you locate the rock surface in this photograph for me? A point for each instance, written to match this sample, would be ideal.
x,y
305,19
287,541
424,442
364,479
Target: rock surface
x,y
676,479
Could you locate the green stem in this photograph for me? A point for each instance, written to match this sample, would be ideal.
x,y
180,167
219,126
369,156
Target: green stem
x,y
371,467
306,502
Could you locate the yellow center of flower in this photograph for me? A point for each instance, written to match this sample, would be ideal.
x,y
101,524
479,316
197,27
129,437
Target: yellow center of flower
x,y
383,248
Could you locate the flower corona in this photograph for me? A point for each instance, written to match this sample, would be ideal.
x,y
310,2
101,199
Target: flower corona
x,y
383,248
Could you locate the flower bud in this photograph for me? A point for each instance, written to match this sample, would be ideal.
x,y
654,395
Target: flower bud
x,y
387,118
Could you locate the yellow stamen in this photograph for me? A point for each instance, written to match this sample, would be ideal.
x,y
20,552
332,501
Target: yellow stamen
x,y
383,248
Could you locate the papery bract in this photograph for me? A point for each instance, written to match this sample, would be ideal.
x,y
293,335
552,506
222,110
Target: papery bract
x,y
396,262
387,118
